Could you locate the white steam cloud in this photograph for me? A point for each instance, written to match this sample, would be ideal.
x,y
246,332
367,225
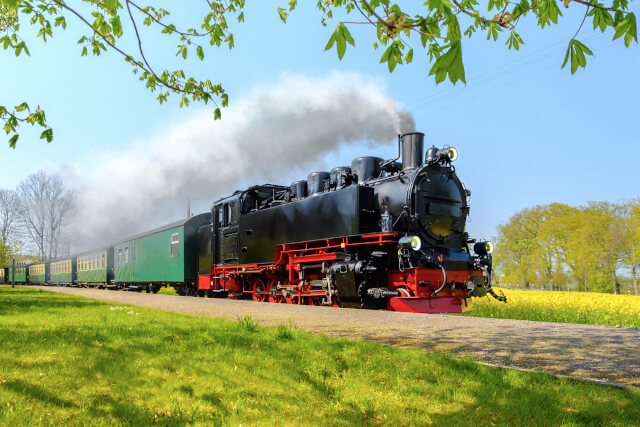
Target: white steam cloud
x,y
289,126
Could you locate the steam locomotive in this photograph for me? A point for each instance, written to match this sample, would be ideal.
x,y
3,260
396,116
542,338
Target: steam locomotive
x,y
376,234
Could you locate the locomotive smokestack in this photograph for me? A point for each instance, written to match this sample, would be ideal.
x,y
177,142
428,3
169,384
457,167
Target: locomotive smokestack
x,y
412,146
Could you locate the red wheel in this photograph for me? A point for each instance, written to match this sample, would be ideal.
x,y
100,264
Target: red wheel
x,y
273,286
259,293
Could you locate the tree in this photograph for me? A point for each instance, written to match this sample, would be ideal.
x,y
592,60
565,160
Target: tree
x,y
515,246
44,207
439,24
8,215
550,242
590,242
630,223
9,246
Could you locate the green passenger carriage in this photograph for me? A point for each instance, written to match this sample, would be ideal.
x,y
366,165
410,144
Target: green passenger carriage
x,y
63,272
3,275
39,273
20,274
164,256
95,268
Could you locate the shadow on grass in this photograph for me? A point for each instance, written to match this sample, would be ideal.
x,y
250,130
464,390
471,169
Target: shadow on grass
x,y
514,397
19,300
31,391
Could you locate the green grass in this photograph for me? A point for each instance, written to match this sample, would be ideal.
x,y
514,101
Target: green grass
x,y
167,290
71,361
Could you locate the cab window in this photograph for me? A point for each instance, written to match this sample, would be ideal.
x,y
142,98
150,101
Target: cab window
x,y
233,212
220,216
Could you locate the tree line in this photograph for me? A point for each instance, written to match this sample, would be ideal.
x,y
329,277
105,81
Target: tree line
x,y
594,247
34,218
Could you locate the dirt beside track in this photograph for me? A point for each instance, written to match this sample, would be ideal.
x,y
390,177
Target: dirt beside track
x,y
599,353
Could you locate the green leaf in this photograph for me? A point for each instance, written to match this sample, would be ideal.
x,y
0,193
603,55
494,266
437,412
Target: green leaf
x,y
584,48
200,52
340,38
217,114
47,134
574,61
409,56
13,140
110,5
450,63
632,30
576,51
116,25
60,21
283,14
22,107
566,56
392,56
332,40
341,45
347,35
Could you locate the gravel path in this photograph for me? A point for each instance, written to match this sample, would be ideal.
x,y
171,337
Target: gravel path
x,y
599,353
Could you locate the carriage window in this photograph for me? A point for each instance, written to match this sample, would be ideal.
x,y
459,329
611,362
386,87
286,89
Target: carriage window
x,y
126,255
133,252
104,260
119,256
175,244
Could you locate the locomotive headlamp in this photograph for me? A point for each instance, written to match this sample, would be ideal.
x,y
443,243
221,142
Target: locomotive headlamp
x,y
410,242
446,154
483,248
452,153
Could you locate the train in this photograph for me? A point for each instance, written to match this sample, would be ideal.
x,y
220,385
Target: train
x,y
378,234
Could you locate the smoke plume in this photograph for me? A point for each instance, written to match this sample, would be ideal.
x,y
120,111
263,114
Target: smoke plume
x,y
261,138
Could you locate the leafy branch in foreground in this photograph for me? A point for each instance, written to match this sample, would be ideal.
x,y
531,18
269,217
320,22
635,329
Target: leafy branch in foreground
x,y
104,22
12,120
438,26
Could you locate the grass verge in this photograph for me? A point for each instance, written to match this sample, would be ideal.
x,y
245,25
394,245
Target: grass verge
x,y
69,360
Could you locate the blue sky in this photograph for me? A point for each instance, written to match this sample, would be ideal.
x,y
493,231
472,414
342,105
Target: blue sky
x,y
527,131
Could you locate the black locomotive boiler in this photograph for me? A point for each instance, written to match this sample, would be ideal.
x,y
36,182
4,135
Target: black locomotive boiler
x,y
378,234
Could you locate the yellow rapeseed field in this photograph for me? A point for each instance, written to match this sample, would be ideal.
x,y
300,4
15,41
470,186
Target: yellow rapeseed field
x,y
566,307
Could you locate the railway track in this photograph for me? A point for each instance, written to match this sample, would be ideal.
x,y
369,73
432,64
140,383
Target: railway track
x,y
596,353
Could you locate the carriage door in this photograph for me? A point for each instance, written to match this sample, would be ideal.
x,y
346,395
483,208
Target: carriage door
x,y
132,261
229,252
205,252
